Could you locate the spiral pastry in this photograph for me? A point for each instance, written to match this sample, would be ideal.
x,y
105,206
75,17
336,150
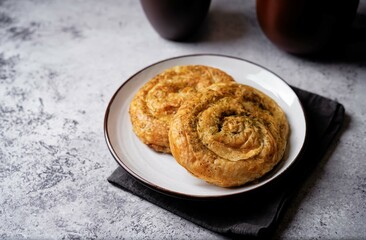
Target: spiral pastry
x,y
229,135
154,105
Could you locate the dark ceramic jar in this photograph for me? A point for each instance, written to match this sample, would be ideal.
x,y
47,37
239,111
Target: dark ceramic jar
x,y
305,26
175,19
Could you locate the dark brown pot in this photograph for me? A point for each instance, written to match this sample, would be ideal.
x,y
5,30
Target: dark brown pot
x,y
305,26
175,19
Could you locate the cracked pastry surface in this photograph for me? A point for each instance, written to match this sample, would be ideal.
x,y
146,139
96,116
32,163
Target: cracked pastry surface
x,y
156,102
229,135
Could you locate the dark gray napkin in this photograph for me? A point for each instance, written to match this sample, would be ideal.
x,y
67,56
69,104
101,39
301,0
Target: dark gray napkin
x,y
255,213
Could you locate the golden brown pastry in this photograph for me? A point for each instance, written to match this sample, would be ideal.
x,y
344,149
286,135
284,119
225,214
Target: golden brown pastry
x,y
229,135
154,105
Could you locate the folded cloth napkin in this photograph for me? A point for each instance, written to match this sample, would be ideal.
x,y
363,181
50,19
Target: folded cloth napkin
x,y
255,213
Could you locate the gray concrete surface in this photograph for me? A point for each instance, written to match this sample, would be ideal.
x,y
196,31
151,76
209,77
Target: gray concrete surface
x,y
60,63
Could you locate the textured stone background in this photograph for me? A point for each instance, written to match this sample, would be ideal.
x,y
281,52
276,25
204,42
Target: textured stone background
x,y
60,63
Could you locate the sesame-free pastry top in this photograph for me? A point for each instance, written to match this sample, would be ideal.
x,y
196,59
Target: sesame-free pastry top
x,y
229,135
156,102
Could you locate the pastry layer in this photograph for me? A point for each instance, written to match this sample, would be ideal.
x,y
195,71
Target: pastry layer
x,y
154,105
229,135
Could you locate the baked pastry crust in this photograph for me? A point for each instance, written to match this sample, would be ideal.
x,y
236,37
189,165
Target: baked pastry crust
x,y
229,135
154,105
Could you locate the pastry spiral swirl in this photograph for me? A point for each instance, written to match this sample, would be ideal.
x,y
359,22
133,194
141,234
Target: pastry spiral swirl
x,y
229,135
154,105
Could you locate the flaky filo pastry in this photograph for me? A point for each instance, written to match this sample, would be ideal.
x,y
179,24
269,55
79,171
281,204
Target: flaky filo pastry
x,y
156,102
229,135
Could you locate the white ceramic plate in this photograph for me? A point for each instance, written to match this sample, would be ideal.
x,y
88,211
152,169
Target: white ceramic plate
x,y
160,171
